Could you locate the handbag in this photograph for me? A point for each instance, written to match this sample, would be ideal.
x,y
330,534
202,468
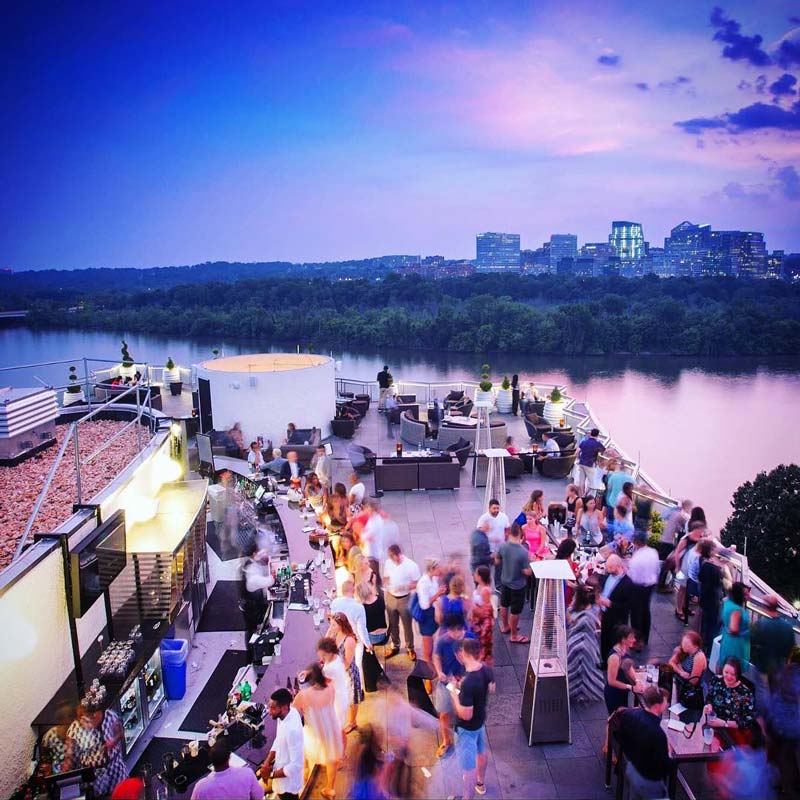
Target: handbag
x,y
691,694
414,608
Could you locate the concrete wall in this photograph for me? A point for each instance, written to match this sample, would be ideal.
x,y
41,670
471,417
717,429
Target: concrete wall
x,y
35,658
35,652
264,402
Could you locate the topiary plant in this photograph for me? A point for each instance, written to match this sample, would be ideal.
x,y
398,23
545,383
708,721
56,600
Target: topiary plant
x,y
127,360
656,529
73,387
170,365
506,382
215,352
555,395
485,383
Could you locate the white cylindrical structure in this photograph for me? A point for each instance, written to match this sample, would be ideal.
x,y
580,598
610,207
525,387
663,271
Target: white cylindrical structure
x,y
264,392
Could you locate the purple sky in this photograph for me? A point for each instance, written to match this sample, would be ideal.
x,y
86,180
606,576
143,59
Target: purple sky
x,y
156,134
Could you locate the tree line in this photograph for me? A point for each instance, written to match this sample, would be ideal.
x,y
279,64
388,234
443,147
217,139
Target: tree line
x,y
544,314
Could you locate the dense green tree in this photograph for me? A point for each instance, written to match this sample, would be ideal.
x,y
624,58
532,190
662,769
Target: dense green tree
x,y
765,525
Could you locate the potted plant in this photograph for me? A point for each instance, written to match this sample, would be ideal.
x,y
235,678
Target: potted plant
x,y
504,396
554,408
172,376
484,391
73,393
127,368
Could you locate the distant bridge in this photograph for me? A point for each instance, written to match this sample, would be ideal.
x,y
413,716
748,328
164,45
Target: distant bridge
x,y
14,314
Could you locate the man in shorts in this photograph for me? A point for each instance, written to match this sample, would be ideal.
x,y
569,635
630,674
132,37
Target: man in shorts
x,y
515,568
469,703
449,668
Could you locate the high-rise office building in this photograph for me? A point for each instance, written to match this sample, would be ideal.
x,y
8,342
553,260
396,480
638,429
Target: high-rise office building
x,y
775,264
599,252
627,239
562,245
686,249
654,263
497,252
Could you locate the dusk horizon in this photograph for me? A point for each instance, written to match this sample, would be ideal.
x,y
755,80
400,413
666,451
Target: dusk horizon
x,y
148,137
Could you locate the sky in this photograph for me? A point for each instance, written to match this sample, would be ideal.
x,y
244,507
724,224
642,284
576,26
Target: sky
x,y
140,134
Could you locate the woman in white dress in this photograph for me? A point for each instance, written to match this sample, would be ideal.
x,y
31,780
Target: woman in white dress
x,y
322,734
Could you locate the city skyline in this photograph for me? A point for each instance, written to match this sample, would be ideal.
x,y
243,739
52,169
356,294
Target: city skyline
x,y
179,135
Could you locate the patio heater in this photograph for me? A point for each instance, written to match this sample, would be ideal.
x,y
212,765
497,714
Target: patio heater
x,y
483,433
495,476
545,699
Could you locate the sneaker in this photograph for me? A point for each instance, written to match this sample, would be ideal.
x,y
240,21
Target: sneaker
x,y
480,788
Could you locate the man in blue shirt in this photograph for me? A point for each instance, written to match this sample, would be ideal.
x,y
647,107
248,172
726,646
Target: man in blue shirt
x,y
588,450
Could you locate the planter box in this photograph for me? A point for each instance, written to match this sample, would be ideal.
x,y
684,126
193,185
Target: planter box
x,y
553,412
504,401
71,398
175,388
484,397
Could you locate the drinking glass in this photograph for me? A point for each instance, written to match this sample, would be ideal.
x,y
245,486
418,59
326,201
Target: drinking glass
x,y
708,735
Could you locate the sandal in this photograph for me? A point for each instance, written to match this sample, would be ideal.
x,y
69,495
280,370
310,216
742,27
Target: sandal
x,y
507,630
520,640
350,729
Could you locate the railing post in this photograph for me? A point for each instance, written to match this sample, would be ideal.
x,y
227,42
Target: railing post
x,y
77,464
138,421
86,383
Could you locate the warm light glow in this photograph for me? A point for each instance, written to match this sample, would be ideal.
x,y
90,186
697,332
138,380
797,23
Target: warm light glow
x,y
175,429
139,508
168,470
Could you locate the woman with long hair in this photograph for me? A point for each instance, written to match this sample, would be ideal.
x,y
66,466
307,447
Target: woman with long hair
x,y
574,506
346,641
688,661
338,508
583,649
429,590
314,492
534,505
590,522
620,671
735,626
482,612
322,736
566,549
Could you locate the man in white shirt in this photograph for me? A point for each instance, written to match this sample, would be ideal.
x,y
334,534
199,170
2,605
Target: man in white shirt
x,y
227,782
495,523
321,464
643,570
400,576
255,459
551,447
357,491
284,762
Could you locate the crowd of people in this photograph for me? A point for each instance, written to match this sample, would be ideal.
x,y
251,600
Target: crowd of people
x,y
446,611
733,670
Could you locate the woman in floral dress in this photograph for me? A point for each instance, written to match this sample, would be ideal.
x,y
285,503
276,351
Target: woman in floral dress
x,y
482,613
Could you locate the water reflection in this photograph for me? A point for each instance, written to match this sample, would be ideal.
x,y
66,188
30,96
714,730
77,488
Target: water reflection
x,y
701,426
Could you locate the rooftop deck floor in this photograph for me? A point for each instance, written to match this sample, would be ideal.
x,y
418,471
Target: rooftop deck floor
x,y
438,523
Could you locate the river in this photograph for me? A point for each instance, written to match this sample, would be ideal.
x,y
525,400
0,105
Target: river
x,y
700,427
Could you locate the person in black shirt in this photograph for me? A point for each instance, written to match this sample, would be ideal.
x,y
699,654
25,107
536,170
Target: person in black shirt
x,y
384,378
469,703
644,745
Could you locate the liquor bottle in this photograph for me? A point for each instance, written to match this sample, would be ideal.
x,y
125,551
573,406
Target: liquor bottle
x,y
289,682
296,685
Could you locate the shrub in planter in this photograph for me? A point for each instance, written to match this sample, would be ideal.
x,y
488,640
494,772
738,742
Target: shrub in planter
x,y
74,392
172,376
128,369
504,396
484,391
554,407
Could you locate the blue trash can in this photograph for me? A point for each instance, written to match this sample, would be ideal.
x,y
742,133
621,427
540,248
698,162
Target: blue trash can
x,y
174,653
